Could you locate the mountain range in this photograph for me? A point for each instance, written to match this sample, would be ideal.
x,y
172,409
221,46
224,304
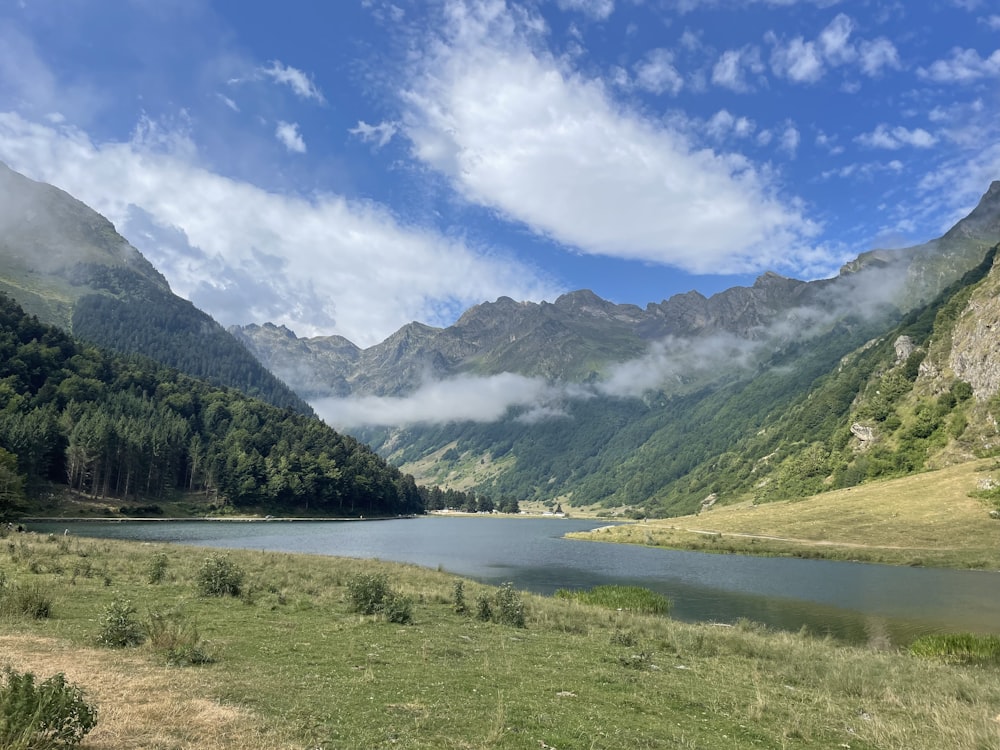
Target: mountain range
x,y
774,390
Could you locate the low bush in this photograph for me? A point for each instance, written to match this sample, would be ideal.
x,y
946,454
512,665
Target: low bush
x,y
220,576
157,568
370,594
119,626
504,607
176,637
48,715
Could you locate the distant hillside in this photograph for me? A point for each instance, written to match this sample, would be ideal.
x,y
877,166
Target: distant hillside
x,y
756,391
66,264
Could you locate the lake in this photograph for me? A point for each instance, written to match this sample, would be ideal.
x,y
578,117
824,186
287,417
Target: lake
x,y
856,602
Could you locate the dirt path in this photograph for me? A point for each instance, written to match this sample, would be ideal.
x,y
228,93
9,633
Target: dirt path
x,y
805,542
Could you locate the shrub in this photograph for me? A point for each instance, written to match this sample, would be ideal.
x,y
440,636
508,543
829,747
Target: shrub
x,y
504,607
370,594
43,716
484,607
366,591
157,568
459,598
220,576
175,636
119,626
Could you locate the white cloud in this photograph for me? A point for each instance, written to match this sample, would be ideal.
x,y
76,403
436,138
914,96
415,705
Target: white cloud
x,y
896,138
516,131
730,70
656,73
790,139
456,399
288,134
993,22
599,9
319,265
379,134
723,124
294,78
834,40
798,60
228,102
964,66
878,54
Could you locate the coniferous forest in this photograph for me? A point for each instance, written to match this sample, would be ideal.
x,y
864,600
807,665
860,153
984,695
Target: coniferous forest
x,y
127,428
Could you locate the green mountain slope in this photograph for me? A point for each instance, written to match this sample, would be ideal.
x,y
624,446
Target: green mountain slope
x,y
126,429
66,264
833,390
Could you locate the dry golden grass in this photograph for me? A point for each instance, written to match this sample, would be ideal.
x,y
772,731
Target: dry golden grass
x,y
924,518
141,705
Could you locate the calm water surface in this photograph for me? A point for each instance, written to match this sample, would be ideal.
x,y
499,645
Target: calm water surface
x,y
853,601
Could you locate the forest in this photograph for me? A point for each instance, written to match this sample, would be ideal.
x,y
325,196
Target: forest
x,y
127,428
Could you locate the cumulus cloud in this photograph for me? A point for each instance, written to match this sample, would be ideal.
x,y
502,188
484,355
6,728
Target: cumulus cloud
x,y
730,70
878,54
515,130
288,134
315,264
298,81
656,73
895,138
798,60
964,66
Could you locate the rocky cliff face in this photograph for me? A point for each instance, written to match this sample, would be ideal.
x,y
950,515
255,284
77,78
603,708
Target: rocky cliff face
x,y
974,342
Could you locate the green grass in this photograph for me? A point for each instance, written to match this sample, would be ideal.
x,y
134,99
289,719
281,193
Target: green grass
x,y
293,666
624,598
967,648
931,519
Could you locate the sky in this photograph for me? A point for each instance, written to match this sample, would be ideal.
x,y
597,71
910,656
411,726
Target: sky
x,y
351,166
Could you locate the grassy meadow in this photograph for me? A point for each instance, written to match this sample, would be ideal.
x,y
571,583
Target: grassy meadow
x,y
930,519
289,664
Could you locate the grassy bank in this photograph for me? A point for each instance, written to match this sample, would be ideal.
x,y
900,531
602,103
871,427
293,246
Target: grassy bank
x,y
294,667
928,519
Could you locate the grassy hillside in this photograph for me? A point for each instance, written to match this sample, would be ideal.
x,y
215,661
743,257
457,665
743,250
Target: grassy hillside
x,y
294,667
936,518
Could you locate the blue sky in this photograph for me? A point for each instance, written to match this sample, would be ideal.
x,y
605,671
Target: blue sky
x,y
348,167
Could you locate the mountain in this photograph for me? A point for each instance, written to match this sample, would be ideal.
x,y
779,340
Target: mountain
x,y
580,336
753,392
65,263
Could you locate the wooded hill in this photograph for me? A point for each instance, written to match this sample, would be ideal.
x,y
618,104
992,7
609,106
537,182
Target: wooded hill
x,y
65,263
132,430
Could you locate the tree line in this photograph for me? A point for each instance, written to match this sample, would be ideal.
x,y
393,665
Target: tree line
x,y
127,427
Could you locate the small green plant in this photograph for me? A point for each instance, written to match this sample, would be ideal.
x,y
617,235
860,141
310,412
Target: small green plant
x,y
119,627
48,715
157,568
458,597
220,576
484,607
174,635
370,594
504,607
